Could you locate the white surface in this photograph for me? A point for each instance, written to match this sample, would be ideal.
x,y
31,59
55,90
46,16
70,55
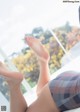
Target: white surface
x,y
71,54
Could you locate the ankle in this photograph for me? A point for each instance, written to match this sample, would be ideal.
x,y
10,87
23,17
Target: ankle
x,y
13,87
43,63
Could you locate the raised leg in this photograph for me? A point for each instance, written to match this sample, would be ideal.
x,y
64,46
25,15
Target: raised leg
x,y
43,92
17,101
43,58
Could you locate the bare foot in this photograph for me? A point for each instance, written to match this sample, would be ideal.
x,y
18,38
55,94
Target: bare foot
x,y
38,48
11,77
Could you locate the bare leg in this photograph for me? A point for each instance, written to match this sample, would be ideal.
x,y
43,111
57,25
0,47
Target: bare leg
x,y
43,57
43,92
17,101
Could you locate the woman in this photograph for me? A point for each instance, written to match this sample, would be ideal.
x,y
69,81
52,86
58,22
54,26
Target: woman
x,y
57,95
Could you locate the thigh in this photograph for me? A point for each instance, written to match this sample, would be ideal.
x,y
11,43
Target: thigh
x,y
44,102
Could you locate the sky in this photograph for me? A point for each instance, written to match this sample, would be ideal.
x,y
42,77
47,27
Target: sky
x,y
18,17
